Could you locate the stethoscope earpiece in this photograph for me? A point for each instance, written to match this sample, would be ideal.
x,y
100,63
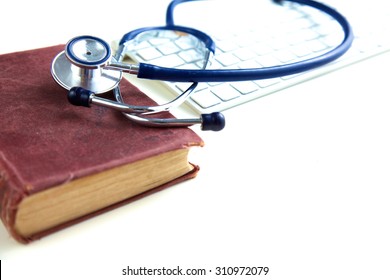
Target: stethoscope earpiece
x,y
214,121
79,96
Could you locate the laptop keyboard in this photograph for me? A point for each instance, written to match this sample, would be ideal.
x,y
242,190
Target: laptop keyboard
x,y
300,33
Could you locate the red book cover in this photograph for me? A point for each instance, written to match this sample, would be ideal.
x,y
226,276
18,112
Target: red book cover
x,y
46,142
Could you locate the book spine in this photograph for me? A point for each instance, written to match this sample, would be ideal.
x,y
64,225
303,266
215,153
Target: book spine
x,y
11,194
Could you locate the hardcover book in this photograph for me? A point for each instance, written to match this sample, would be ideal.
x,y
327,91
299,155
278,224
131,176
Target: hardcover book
x,y
61,164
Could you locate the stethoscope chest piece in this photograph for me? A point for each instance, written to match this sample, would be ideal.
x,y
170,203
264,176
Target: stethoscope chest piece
x,y
82,64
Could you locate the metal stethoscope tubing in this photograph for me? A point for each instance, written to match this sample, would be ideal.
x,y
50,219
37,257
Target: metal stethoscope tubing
x,y
162,122
82,97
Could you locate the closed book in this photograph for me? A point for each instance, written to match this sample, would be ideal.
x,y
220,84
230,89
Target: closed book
x,y
61,164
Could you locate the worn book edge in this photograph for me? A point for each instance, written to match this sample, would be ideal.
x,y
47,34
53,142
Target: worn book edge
x,y
48,211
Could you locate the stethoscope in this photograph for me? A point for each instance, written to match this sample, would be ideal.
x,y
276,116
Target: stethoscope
x,y
87,68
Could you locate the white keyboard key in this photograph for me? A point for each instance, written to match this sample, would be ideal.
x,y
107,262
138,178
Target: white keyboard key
x,y
184,86
249,64
205,99
159,41
267,82
171,61
262,48
316,46
285,56
227,46
185,42
245,54
169,48
268,60
191,55
149,54
139,45
301,50
227,59
225,92
245,87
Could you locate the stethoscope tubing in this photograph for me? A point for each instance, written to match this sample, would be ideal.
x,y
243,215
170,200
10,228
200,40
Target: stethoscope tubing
x,y
80,95
153,72
206,39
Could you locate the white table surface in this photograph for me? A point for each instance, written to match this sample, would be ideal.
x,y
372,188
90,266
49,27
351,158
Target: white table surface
x,y
297,181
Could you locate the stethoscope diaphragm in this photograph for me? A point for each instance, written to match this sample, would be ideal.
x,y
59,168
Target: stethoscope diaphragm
x,y
82,64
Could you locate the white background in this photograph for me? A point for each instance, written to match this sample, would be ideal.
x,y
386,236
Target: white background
x,y
298,181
